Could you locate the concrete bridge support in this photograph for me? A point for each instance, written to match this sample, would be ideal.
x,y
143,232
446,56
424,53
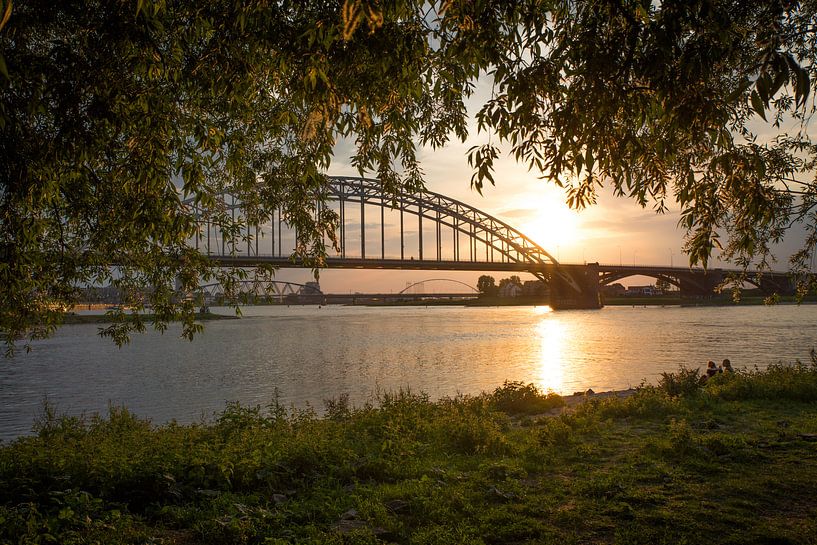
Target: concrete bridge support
x,y
575,287
777,284
700,285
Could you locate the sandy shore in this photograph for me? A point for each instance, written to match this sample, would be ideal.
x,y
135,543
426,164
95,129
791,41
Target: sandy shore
x,y
574,400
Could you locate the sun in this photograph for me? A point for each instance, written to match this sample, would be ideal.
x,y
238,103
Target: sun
x,y
552,225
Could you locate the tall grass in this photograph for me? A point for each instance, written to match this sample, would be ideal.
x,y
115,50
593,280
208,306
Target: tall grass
x,y
402,461
796,382
520,398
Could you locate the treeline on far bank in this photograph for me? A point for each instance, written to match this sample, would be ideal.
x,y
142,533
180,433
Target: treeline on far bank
x,y
679,461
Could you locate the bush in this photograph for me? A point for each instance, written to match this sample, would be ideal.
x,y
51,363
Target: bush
x,y
338,408
681,437
468,427
520,398
555,432
684,382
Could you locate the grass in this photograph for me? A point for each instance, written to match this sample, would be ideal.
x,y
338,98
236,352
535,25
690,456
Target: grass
x,y
730,461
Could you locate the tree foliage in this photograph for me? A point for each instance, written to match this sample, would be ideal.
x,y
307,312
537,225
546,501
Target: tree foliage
x,y
663,286
112,112
514,279
486,285
663,101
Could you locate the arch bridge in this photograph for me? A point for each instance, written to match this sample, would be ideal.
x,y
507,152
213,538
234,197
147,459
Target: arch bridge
x,y
424,230
408,288
263,291
698,282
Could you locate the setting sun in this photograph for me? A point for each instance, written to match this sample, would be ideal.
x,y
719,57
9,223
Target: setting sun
x,y
552,225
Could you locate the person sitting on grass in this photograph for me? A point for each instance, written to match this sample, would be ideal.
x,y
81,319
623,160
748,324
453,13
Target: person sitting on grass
x,y
726,366
711,371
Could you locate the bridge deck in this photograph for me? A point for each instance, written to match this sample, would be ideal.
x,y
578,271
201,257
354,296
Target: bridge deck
x,y
448,265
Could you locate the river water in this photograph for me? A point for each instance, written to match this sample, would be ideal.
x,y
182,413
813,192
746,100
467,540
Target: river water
x,y
304,355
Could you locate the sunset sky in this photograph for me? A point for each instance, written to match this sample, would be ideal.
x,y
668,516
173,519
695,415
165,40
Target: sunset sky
x,y
614,230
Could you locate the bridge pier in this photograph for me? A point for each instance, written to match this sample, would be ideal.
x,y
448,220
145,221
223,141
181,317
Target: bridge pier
x,y
565,281
700,285
777,284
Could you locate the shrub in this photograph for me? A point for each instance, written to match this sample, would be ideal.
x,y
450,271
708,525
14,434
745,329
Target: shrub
x,y
521,398
681,437
684,382
555,432
338,408
469,430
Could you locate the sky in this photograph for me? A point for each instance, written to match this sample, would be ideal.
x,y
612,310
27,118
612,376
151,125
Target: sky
x,y
614,230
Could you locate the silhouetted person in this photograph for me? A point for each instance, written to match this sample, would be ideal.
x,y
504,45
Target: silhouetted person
x,y
711,369
726,366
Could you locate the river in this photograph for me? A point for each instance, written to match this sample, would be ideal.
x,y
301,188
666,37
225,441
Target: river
x,y
304,355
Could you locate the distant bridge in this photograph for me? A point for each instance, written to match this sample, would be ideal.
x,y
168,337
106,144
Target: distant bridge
x,y
277,291
260,290
421,282
429,231
699,282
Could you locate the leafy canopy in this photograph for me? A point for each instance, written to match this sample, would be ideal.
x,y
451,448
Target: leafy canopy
x,y
112,112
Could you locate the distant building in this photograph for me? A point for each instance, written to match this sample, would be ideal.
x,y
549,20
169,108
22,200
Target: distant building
x,y
648,291
310,288
614,290
309,294
534,288
510,289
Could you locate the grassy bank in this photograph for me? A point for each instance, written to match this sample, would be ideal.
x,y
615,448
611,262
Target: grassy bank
x,y
730,462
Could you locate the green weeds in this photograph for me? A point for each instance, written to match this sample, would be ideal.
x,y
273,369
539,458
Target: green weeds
x,y
727,461
521,398
684,382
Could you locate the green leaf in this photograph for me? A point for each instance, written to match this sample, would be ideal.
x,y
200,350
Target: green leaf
x,y
803,86
757,105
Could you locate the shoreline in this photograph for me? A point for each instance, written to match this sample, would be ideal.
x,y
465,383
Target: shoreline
x,y
657,301
74,319
577,398
569,403
411,470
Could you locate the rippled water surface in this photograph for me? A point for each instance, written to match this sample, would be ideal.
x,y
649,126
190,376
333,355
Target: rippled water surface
x,y
308,354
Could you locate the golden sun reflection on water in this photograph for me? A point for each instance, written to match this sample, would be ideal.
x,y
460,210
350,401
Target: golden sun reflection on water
x,y
550,372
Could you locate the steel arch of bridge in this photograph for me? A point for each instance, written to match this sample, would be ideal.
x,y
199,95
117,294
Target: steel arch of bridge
x,y
500,239
263,288
469,286
501,243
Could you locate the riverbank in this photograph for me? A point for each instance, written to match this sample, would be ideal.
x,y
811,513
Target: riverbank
x,y
72,318
731,462
719,301
656,300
